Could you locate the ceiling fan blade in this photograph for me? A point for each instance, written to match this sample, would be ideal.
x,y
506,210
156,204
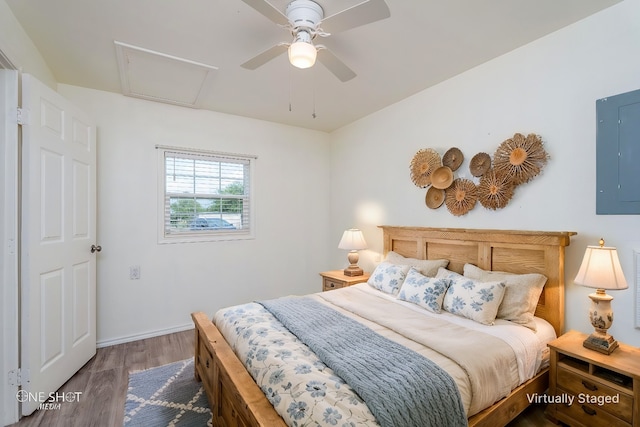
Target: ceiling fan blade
x,y
268,10
363,13
264,57
335,65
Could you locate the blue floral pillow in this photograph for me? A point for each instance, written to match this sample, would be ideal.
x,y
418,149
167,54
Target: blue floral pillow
x,y
473,299
424,291
388,277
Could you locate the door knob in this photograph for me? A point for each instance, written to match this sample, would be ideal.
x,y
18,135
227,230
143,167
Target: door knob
x,y
95,248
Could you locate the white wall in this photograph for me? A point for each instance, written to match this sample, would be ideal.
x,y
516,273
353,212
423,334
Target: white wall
x,y
292,195
548,87
16,46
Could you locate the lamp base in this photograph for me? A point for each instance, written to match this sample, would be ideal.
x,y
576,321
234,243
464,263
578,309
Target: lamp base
x,y
353,270
601,316
603,344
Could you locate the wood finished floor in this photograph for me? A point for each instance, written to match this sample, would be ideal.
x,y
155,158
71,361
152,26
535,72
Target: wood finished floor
x,y
104,379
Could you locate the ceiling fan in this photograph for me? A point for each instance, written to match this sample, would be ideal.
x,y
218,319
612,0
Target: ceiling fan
x,y
305,20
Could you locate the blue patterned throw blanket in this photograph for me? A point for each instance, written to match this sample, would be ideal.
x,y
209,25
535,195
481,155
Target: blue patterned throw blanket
x,y
400,386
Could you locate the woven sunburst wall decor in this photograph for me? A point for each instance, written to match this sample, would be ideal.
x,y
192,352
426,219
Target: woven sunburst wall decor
x,y
461,197
423,163
495,190
521,158
516,161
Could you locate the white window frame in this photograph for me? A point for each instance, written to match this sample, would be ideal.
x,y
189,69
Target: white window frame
x,y
208,235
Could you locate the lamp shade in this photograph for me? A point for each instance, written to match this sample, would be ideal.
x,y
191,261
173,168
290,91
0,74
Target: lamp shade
x,y
601,269
302,54
352,240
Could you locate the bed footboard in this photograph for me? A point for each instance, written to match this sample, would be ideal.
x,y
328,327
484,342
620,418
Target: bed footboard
x,y
505,410
236,400
234,397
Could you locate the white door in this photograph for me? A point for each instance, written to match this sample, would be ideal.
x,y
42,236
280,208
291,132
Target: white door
x,y
58,287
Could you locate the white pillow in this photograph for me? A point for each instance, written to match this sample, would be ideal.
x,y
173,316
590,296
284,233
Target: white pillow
x,y
443,273
427,292
473,299
388,277
520,297
428,267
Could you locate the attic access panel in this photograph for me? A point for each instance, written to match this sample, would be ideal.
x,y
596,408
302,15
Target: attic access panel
x,y
618,154
160,77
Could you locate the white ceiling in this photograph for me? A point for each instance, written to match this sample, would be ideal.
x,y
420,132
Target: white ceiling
x,y
423,43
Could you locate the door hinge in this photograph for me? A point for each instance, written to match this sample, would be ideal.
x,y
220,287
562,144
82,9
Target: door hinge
x,y
18,377
23,117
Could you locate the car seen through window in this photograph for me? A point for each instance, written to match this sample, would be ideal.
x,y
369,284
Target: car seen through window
x,y
210,224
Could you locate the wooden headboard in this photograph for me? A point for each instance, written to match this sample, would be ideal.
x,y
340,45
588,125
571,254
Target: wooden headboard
x,y
501,250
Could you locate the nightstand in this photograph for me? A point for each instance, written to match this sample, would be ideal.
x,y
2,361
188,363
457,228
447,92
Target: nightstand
x,y
591,389
336,279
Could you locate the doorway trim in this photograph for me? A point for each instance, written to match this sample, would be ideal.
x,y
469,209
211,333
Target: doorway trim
x,y
10,243
5,62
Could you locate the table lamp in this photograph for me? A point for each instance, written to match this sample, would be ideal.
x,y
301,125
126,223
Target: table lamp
x,y
353,241
601,270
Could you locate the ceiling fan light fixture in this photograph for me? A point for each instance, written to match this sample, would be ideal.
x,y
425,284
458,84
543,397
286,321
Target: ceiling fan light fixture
x,y
302,54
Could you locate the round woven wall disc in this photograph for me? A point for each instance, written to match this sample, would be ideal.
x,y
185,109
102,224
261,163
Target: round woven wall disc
x,y
461,197
522,158
442,177
495,190
480,164
434,198
424,162
453,158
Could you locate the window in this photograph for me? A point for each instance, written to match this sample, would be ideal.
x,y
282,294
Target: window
x,y
204,195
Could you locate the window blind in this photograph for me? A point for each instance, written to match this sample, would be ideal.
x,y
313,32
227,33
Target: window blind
x,y
206,193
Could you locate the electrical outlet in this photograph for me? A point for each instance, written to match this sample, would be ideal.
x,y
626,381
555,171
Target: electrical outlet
x,y
134,272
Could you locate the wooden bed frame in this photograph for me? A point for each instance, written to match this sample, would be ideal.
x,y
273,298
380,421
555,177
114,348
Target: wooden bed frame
x,y
236,400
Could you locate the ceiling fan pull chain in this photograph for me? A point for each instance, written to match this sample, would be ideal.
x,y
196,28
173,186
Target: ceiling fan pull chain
x,y
315,84
290,87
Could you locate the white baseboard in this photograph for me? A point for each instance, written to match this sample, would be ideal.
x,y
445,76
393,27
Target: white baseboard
x,y
150,334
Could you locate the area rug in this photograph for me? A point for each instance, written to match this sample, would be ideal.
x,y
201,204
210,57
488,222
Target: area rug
x,y
167,396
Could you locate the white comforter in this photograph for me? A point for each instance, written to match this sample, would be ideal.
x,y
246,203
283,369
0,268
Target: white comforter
x,y
486,362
